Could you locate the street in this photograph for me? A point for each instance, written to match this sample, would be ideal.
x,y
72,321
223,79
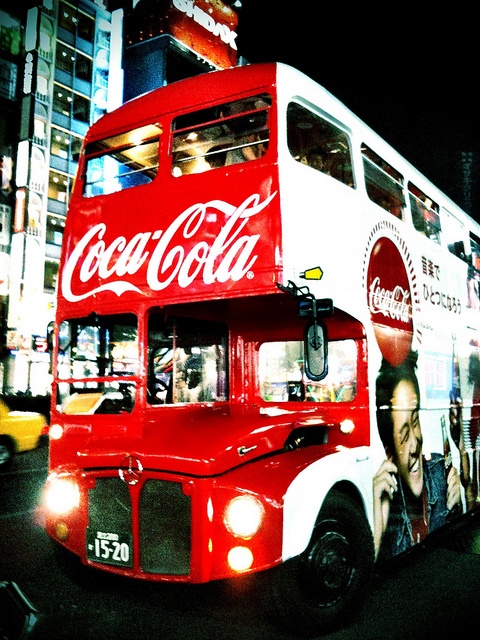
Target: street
x,y
431,594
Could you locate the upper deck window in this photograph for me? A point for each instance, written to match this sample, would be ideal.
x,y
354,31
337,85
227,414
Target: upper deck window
x,y
475,250
227,134
316,142
425,213
122,161
384,184
456,238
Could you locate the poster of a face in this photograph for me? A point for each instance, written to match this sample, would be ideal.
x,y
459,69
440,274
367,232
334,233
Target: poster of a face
x,y
415,491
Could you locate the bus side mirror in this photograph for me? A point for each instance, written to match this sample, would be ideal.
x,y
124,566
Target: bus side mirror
x,y
64,338
316,351
50,330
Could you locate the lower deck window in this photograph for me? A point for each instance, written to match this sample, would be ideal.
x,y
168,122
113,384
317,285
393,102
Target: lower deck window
x,y
282,378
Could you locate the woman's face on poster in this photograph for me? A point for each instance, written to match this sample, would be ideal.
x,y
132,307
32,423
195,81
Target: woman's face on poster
x,y
407,437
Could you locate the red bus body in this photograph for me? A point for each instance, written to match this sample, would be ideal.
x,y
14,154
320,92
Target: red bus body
x,y
152,483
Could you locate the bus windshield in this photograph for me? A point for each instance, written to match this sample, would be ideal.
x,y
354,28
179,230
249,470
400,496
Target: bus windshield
x,y
187,360
97,364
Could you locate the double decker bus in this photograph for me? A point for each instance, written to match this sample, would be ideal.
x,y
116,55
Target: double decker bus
x,y
265,354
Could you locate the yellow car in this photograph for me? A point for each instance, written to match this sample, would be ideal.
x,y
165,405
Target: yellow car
x,y
19,431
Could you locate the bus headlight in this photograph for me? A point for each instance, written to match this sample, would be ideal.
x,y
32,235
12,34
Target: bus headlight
x,y
347,426
243,516
240,559
62,495
55,432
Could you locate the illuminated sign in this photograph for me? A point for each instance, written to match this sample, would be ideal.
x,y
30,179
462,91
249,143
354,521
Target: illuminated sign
x,y
28,74
207,27
207,21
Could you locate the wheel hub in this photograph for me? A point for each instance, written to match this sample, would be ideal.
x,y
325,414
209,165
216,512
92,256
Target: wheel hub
x,y
330,566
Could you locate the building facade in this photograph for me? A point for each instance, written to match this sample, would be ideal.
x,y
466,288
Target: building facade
x,y
62,66
60,70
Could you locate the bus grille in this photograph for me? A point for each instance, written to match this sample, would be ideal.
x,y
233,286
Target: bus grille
x,y
164,521
164,528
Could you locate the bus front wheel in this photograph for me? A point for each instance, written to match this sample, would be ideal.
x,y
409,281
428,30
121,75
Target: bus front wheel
x,y
324,586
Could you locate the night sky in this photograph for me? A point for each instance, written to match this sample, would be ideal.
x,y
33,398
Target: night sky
x,y
413,79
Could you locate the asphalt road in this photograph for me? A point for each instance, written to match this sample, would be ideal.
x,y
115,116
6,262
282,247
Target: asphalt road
x,y
434,593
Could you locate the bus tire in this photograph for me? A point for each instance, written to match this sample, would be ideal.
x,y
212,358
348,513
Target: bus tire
x,y
325,586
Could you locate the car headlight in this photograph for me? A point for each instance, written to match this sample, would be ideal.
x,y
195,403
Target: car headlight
x,y
62,495
244,515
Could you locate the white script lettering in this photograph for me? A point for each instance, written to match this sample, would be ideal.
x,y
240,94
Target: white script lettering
x,y
394,304
229,257
206,21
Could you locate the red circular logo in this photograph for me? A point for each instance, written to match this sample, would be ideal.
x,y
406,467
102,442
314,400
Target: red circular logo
x,y
390,301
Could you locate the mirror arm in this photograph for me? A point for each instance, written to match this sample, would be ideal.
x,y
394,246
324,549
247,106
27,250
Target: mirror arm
x,y
308,305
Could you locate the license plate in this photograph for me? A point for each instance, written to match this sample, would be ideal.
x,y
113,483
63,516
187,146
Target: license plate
x,y
109,548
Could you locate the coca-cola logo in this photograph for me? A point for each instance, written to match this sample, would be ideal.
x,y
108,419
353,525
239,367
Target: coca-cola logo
x,y
390,300
180,253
